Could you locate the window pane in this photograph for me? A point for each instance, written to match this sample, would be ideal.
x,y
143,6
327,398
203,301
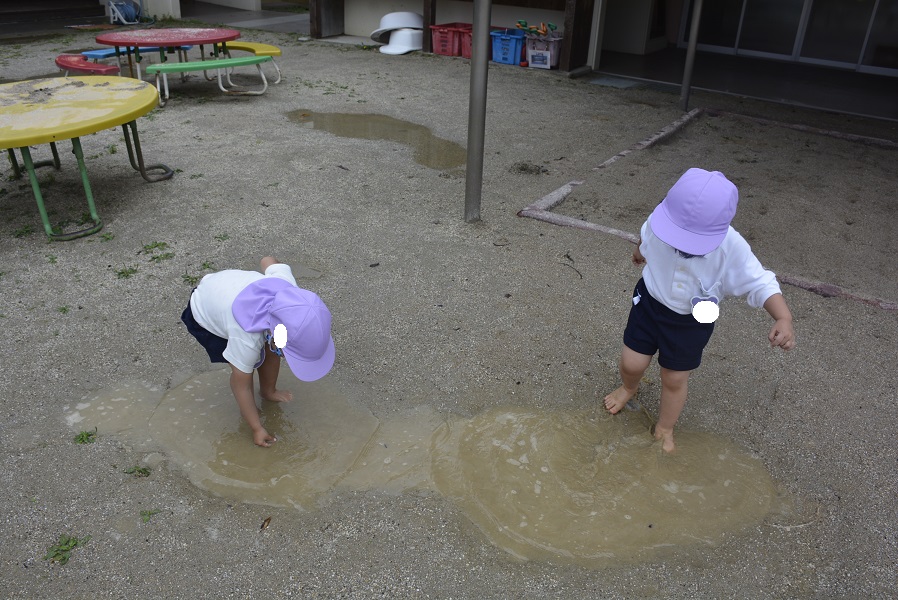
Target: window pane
x,y
771,26
719,24
882,47
836,30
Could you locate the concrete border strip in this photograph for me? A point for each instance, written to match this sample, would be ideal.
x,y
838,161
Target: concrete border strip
x,y
542,208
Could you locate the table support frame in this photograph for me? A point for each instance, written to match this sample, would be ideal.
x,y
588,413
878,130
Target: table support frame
x,y
135,156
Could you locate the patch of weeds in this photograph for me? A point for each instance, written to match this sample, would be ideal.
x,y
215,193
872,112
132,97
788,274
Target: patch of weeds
x,y
113,149
85,219
222,237
158,258
157,247
207,266
107,237
51,258
63,309
61,225
146,515
190,279
62,551
197,176
150,248
126,272
138,471
86,437
24,231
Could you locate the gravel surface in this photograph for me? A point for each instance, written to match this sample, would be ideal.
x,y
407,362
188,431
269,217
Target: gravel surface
x,y
432,312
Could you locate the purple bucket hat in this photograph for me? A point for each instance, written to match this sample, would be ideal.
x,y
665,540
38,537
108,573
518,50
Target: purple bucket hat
x,y
695,216
269,302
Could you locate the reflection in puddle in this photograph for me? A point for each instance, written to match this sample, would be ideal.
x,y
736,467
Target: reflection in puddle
x,y
577,487
430,151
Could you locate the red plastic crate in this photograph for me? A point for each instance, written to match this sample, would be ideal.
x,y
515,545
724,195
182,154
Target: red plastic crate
x,y
447,37
467,43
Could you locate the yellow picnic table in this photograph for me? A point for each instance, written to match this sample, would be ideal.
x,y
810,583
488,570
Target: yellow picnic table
x,y
45,111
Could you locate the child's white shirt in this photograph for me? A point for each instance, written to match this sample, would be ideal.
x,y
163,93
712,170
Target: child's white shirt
x,y
211,305
730,270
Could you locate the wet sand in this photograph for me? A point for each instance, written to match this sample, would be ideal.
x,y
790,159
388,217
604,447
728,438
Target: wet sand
x,y
435,316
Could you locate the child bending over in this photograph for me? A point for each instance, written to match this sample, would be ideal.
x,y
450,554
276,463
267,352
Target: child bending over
x,y
250,320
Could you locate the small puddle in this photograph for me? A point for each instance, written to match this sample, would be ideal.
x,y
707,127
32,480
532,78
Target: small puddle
x,y
578,487
429,150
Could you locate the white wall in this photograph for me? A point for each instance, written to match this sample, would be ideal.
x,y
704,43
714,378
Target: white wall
x,y
363,16
158,8
162,8
241,4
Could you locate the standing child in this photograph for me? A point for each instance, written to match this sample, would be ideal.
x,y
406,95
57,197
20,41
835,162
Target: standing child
x,y
250,320
693,259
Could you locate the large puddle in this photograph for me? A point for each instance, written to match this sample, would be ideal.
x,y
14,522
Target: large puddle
x,y
429,150
584,487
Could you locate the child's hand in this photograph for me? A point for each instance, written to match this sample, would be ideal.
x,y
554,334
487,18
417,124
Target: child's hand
x,y
782,334
263,438
638,259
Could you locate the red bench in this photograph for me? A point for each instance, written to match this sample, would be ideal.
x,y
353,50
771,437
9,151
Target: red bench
x,y
80,64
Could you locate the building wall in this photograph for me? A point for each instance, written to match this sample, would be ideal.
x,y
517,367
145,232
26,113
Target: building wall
x,y
363,16
241,4
163,8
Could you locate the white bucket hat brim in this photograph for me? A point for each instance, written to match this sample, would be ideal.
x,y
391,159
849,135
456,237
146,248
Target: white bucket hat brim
x,y
403,41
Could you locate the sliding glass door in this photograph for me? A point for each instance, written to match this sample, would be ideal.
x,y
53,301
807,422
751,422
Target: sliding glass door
x,y
857,34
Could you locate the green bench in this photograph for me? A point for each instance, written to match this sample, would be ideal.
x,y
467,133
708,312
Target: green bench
x,y
161,71
256,49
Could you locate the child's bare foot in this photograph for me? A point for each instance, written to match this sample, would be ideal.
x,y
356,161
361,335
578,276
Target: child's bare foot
x,y
665,436
278,396
617,400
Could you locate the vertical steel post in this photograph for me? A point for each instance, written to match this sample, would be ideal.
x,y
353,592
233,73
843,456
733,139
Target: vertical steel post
x,y
477,108
690,54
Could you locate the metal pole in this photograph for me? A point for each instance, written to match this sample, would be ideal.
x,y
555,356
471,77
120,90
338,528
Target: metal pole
x,y
477,108
690,54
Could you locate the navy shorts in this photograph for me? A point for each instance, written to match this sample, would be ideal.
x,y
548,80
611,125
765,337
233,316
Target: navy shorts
x,y
678,339
214,345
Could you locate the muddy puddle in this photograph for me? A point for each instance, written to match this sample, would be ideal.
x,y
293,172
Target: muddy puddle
x,y
578,487
429,150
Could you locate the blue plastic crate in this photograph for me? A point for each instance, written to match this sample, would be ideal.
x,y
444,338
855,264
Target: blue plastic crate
x,y
507,46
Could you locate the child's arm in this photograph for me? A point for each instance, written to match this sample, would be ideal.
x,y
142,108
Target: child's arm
x,y
781,334
638,259
242,387
267,262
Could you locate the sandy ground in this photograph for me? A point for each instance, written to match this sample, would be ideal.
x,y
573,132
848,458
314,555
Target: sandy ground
x,y
454,317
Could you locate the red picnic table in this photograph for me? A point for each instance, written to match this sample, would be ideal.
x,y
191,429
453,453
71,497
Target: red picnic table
x,y
166,39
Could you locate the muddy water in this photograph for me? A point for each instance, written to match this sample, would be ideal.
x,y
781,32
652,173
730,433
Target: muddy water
x,y
579,487
429,150
592,490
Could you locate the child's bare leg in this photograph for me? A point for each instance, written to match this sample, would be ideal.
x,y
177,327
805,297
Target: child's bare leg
x,y
632,366
268,378
674,385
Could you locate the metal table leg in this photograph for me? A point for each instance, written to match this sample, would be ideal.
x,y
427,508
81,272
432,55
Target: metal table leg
x,y
135,155
95,226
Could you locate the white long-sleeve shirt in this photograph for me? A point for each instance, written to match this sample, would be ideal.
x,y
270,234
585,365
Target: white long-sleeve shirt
x,y
730,270
211,306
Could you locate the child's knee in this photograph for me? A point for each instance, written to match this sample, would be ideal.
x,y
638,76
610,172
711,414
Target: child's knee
x,y
674,379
